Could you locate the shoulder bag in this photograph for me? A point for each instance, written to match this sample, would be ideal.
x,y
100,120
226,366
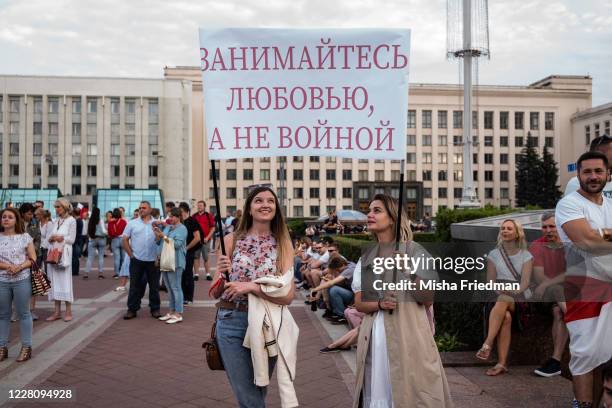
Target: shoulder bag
x,y
527,294
40,282
213,355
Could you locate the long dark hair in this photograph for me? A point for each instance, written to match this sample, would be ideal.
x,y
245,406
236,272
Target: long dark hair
x,y
278,226
19,225
94,220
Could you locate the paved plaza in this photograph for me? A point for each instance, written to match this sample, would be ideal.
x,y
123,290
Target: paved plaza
x,y
110,362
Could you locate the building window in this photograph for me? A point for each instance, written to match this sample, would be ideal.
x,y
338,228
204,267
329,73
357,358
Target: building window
x,y
14,105
442,175
503,158
298,211
426,140
474,119
230,192
426,175
76,170
115,150
549,120
457,140
247,174
14,170
458,192
411,119
92,171
488,175
411,140
37,149
379,175
14,149
411,158
53,171
475,158
92,149
503,141
115,171
314,192
152,171
503,120
427,193
264,174
442,140
488,141
503,175
281,174
314,174
298,174
488,192
587,134
115,106
458,175
457,119
607,127
129,171
298,159
76,150
442,158
14,128
363,193
330,174
426,117
314,159
395,175
534,120
153,108
130,108
475,175
519,120
298,192
76,129
330,192
314,211
230,174
442,192
442,119
458,158
596,135
92,105
37,170
130,149
347,174
549,141
533,141
347,192
488,120
37,128
488,158
53,129
76,108
363,175
76,189
518,141
503,193
53,105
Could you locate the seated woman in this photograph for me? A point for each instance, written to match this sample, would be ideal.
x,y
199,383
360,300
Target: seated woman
x,y
511,262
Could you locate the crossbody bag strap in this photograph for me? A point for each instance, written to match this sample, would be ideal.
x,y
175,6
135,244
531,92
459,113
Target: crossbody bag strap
x,y
509,265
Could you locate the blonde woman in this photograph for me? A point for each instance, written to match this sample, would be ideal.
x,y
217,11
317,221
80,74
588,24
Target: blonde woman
x,y
62,235
398,364
510,261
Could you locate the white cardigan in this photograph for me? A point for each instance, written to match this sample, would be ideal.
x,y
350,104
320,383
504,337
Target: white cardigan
x,y
265,320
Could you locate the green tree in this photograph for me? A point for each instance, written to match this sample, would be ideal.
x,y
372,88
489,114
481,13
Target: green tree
x,y
529,177
550,190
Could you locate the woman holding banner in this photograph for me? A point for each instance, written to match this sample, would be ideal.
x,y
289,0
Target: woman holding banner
x,y
252,311
398,364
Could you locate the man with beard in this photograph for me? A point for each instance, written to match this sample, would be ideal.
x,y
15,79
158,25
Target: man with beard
x,y
584,222
602,144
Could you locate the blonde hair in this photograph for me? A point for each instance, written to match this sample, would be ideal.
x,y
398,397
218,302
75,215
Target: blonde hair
x,y
65,204
520,240
391,207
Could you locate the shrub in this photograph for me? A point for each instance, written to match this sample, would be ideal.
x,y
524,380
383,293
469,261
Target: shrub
x,y
425,237
446,217
297,227
350,248
448,342
463,320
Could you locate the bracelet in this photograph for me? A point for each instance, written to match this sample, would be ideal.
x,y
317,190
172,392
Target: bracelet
x,y
379,305
601,233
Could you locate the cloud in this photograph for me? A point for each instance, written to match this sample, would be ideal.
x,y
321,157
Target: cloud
x,y
529,38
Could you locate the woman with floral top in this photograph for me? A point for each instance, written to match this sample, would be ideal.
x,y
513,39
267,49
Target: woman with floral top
x,y
16,252
259,247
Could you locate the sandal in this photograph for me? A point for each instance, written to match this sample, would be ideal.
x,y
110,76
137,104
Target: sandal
x,y
497,369
484,353
53,318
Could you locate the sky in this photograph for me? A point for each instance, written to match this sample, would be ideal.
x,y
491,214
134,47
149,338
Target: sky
x,y
529,39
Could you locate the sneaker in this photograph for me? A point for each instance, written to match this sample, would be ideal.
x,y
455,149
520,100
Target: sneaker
x,y
338,320
327,350
187,303
100,276
328,313
550,369
85,277
174,320
208,277
165,317
196,277
120,289
115,276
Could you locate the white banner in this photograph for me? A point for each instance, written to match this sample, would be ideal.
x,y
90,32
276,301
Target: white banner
x,y
323,92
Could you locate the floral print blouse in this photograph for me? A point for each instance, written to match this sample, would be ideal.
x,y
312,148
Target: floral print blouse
x,y
254,257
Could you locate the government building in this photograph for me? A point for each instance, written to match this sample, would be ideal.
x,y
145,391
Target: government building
x,y
81,135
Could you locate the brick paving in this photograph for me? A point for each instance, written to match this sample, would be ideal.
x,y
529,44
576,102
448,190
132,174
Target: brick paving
x,y
146,363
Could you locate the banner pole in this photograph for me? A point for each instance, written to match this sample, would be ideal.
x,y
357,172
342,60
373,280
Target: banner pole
x,y
400,204
218,215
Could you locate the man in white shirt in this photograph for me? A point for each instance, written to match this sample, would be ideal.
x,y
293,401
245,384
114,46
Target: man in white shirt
x,y
602,144
317,262
584,220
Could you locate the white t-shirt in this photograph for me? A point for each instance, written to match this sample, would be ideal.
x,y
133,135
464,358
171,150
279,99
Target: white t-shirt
x,y
518,260
574,185
575,206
